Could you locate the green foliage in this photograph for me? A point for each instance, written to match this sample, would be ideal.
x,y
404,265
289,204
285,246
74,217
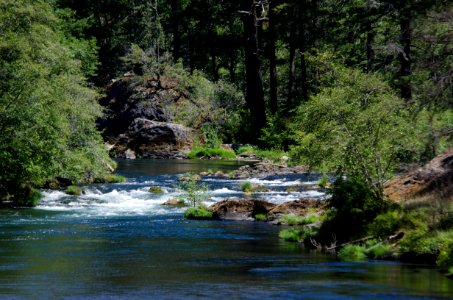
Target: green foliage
x,y
261,217
356,126
112,178
386,224
353,206
27,197
47,123
296,234
323,181
201,152
292,219
378,251
193,192
73,190
200,212
352,253
246,187
437,245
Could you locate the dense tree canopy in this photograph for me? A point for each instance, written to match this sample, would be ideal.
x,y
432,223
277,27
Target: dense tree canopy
x,y
268,49
47,111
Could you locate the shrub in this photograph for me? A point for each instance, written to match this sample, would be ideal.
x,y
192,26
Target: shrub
x,y
261,217
352,207
352,253
386,224
200,212
292,219
378,251
210,153
246,187
73,190
323,181
355,125
296,234
28,197
193,192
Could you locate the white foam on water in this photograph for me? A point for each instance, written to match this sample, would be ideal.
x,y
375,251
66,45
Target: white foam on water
x,y
114,203
225,191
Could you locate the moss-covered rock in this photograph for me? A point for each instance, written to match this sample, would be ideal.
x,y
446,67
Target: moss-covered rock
x,y
73,190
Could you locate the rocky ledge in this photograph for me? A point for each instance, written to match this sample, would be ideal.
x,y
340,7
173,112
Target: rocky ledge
x,y
246,210
436,177
138,118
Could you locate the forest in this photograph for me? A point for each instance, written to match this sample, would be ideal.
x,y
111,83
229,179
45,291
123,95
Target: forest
x,y
356,91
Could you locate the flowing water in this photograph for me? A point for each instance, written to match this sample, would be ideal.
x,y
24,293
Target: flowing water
x,y
117,241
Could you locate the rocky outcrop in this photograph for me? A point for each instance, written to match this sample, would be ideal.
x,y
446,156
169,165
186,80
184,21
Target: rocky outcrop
x,y
298,207
435,178
240,210
265,169
138,119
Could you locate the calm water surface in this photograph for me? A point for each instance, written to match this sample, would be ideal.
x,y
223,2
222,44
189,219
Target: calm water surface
x,y
118,242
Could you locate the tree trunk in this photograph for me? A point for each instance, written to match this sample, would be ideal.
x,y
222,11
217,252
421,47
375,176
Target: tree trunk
x,y
405,55
302,48
273,102
292,68
175,29
254,83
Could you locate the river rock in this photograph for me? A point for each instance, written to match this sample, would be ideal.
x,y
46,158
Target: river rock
x,y
240,210
298,207
265,169
435,179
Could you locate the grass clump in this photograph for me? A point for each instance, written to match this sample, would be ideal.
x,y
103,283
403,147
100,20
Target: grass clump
x,y
200,212
246,187
261,217
293,220
378,251
73,190
296,234
352,253
201,152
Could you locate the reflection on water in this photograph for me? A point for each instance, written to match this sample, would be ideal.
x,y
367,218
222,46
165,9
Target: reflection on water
x,y
79,252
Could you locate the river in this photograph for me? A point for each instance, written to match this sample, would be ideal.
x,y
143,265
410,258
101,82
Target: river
x,y
118,242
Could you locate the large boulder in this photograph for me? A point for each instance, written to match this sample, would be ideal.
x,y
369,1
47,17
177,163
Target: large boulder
x,y
240,210
138,118
151,139
435,178
298,207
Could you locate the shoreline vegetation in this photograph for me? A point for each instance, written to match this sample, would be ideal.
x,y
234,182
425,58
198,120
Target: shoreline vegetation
x,y
354,225
353,90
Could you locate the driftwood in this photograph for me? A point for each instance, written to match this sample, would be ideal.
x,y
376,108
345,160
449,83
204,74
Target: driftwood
x,y
349,243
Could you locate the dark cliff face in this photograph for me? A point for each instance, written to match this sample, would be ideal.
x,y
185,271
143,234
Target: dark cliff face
x,y
138,118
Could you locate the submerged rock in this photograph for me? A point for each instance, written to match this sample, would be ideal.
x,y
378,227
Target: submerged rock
x,y
240,210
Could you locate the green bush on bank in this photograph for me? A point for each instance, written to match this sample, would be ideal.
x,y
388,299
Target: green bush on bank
x,y
296,234
292,220
201,152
